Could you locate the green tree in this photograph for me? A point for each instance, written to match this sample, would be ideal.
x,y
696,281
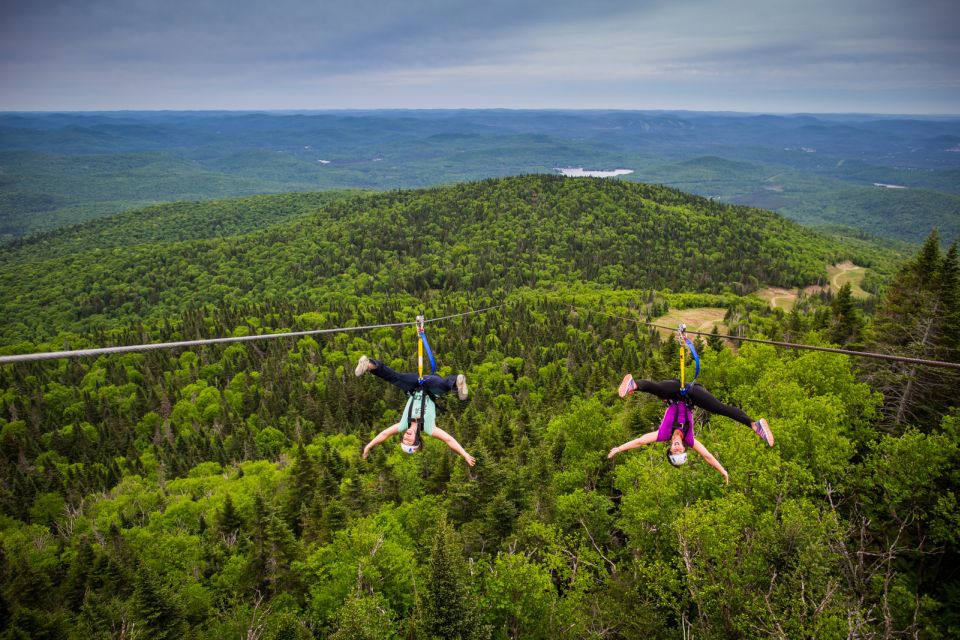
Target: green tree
x,y
714,340
917,318
229,521
847,323
365,618
155,607
303,483
451,607
520,595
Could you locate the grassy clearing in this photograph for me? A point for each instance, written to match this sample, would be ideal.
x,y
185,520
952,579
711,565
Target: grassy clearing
x,y
696,319
838,274
845,272
778,297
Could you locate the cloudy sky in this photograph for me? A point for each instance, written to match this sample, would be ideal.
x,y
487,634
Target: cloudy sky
x,y
874,56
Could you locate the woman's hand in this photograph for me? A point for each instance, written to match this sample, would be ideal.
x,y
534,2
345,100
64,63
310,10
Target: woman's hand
x,y
469,458
613,452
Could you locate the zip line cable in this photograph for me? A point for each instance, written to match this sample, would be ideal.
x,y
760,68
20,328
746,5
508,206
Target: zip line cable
x,y
85,353
849,352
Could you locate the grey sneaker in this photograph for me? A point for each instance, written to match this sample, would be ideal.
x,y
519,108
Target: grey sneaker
x,y
762,429
363,365
462,387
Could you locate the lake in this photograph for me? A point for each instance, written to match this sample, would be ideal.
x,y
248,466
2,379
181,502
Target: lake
x,y
580,172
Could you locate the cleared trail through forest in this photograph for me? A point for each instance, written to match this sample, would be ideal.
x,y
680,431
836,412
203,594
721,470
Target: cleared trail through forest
x,y
845,272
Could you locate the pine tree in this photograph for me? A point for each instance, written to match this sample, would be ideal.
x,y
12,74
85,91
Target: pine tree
x,y
75,585
847,322
155,607
229,521
451,608
949,296
915,320
714,340
303,483
274,547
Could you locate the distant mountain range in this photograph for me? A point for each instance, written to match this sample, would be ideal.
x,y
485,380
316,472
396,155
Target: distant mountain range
x,y
60,169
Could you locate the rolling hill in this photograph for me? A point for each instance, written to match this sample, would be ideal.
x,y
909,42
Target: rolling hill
x,y
498,234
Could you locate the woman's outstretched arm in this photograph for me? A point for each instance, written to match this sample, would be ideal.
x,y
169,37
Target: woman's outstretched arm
x,y
713,462
383,435
645,439
451,442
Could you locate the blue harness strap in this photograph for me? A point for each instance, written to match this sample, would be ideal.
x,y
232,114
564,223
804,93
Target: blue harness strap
x,y
421,344
696,359
433,363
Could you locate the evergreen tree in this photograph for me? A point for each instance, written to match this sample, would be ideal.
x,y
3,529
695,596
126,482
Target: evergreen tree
x,y
847,322
714,340
229,522
451,607
274,547
303,482
950,303
915,319
155,607
76,583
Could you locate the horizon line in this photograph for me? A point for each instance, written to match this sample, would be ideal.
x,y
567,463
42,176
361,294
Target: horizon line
x,y
455,109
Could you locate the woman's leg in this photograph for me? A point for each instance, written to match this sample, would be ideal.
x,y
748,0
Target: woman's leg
x,y
665,389
438,385
705,400
404,381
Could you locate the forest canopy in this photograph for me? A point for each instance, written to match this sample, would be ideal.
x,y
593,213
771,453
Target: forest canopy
x,y
220,491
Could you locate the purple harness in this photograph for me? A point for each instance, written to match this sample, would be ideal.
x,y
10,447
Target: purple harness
x,y
677,416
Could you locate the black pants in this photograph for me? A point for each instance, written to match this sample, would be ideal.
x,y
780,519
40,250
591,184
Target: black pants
x,y
669,390
408,382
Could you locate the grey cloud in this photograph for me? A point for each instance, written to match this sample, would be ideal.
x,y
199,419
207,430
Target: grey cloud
x,y
515,52
352,34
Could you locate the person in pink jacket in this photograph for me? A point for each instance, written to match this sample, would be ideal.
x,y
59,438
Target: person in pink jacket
x,y
677,424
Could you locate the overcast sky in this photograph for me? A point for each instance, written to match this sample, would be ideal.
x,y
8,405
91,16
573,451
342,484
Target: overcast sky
x,y
872,56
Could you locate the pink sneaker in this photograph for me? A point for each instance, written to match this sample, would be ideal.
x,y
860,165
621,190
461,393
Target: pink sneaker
x,y
627,387
762,429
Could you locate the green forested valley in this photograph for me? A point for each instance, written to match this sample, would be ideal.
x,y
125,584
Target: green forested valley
x,y
219,492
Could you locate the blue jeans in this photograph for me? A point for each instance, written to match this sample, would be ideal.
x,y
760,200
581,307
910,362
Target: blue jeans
x,y
408,382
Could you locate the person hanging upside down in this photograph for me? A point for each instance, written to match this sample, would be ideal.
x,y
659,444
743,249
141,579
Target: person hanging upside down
x,y
677,424
420,413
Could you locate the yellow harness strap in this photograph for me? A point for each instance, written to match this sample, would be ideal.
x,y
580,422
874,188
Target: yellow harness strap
x,y
420,348
420,358
683,352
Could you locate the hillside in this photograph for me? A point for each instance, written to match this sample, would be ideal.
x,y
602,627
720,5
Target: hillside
x,y
535,231
176,222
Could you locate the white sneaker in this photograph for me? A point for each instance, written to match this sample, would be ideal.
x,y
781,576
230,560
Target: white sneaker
x,y
363,365
462,387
